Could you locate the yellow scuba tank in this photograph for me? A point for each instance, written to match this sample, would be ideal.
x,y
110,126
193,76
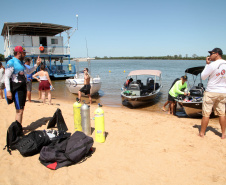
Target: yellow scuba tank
x,y
99,125
77,115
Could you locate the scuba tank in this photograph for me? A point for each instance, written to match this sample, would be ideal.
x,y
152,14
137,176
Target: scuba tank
x,y
77,115
99,125
85,115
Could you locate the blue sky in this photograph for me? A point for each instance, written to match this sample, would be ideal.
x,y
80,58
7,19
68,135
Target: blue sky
x,y
129,27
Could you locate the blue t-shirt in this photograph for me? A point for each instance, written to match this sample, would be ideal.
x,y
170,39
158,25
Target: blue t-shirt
x,y
17,64
29,76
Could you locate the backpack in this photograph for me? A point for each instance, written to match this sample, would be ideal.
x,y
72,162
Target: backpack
x,y
13,136
67,151
32,143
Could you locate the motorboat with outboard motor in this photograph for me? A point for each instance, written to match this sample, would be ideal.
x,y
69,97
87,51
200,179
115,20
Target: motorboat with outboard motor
x,y
137,93
193,104
76,83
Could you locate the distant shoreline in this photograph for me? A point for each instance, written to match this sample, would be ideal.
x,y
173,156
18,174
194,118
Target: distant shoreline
x,y
147,59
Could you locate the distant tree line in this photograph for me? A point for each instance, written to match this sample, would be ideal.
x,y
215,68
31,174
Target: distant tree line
x,y
168,57
2,58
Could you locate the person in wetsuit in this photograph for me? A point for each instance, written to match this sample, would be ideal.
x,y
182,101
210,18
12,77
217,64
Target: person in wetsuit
x,y
15,80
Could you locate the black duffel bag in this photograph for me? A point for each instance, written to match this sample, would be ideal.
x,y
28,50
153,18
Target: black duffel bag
x,y
32,143
66,151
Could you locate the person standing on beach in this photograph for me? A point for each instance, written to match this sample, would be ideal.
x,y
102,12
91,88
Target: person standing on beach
x,y
215,94
167,102
2,83
86,88
45,83
175,91
15,80
29,79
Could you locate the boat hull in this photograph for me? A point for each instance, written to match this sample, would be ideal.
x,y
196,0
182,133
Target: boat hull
x,y
74,85
192,109
137,101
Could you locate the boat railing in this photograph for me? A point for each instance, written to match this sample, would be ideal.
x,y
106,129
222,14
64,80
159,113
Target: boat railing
x,y
61,69
47,50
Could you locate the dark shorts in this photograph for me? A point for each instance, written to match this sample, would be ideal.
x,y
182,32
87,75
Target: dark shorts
x,y
29,86
85,89
19,97
2,86
44,85
171,98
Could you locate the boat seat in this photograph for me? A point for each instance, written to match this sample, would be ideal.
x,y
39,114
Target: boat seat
x,y
200,85
152,85
196,91
140,83
134,88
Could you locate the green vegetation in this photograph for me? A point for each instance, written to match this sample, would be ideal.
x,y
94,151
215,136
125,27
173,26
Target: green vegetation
x,y
168,57
2,58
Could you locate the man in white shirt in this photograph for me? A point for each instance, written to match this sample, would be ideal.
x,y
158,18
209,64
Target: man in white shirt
x,y
215,94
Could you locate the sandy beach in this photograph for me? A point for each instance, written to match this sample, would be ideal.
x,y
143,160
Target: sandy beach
x,y
141,147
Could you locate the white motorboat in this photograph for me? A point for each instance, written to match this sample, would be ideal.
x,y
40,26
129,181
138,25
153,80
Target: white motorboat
x,y
139,93
76,83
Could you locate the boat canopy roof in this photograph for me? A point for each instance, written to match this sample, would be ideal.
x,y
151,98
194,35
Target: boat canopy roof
x,y
33,28
195,70
145,72
83,59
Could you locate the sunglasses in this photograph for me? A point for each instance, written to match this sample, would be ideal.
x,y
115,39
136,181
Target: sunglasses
x,y
212,53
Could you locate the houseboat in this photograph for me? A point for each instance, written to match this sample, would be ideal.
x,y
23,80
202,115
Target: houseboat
x,y
44,40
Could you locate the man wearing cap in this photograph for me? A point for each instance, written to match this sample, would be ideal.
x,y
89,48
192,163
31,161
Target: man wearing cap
x,y
15,80
175,91
215,94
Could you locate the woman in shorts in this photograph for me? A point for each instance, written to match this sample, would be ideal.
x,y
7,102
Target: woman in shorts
x,y
45,83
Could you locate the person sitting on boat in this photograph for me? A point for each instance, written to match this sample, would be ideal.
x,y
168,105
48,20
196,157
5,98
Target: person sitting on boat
x,y
86,88
128,82
175,91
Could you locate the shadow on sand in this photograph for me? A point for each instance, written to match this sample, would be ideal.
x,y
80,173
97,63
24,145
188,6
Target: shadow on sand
x,y
36,124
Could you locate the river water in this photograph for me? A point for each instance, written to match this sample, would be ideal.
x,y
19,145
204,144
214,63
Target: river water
x,y
113,74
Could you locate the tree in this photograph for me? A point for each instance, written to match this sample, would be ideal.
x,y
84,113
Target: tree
x,y
2,58
194,55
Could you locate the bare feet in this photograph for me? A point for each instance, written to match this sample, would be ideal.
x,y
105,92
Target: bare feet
x,y
201,135
163,108
223,136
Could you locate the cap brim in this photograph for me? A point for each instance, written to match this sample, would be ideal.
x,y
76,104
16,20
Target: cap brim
x,y
210,52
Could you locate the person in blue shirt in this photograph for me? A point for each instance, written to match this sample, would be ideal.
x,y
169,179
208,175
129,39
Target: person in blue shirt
x,y
29,79
15,80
